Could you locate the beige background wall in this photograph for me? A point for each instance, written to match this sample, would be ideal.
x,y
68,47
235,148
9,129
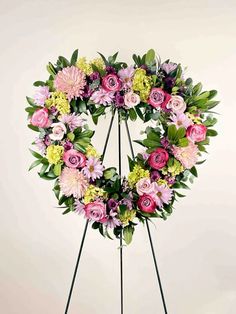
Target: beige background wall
x,y
196,246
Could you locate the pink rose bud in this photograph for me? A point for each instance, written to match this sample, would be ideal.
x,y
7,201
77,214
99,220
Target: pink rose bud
x,y
111,83
176,104
146,203
158,98
40,118
158,159
131,100
58,131
96,211
145,186
74,159
196,132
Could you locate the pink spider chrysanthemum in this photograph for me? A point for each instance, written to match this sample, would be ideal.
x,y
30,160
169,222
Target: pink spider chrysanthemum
x,y
93,169
73,182
70,80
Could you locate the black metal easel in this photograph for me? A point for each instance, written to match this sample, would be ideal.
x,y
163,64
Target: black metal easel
x,y
121,240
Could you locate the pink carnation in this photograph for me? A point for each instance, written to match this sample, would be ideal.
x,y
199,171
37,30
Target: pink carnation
x,y
186,155
73,182
42,93
70,80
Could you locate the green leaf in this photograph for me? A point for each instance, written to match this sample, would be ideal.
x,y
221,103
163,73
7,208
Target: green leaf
x,y
211,132
99,111
109,173
197,89
31,101
150,143
211,104
44,168
132,114
183,142
128,234
180,185
74,57
86,133
213,93
193,170
71,136
131,163
68,210
35,154
172,130
57,169
150,56
180,133
103,58
39,83
80,147
34,164
82,107
51,70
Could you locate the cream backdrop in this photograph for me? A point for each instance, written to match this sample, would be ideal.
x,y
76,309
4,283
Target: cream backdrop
x,y
196,246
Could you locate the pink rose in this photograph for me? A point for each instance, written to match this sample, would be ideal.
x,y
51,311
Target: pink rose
x,y
176,104
111,83
74,159
131,99
158,159
158,98
146,203
40,118
196,132
58,131
96,211
145,186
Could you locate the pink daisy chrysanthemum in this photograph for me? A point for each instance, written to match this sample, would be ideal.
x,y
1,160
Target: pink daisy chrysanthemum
x,y
73,182
163,194
93,169
102,97
181,120
70,80
72,120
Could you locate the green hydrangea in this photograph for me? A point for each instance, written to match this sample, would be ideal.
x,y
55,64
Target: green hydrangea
x,y
142,83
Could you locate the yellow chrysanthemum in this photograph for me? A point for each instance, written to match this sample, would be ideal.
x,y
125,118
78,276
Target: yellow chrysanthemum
x,y
92,193
127,216
142,83
195,119
83,65
86,67
59,100
99,63
137,174
174,169
162,182
54,154
91,152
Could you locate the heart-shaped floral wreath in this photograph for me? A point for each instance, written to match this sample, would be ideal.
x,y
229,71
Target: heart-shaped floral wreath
x,y
150,90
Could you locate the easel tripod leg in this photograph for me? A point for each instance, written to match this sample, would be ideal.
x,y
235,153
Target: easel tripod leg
x,y
76,267
156,268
